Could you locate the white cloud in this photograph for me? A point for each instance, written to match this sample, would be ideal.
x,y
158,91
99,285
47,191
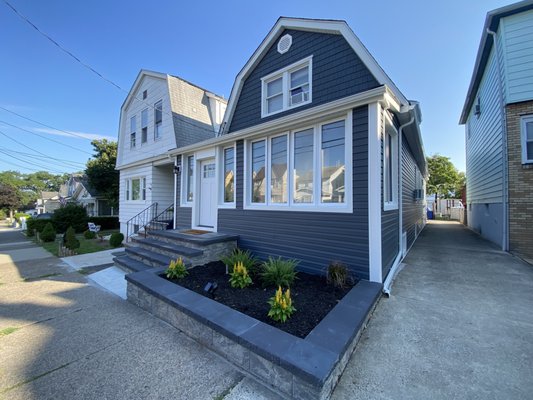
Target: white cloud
x,y
74,134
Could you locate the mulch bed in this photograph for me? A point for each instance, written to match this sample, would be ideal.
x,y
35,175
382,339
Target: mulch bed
x,y
312,297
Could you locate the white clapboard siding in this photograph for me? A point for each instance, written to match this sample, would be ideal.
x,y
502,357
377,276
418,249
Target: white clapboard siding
x,y
163,186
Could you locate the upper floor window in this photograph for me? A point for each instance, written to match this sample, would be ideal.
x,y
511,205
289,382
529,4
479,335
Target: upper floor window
x,y
527,139
288,88
144,125
133,130
158,119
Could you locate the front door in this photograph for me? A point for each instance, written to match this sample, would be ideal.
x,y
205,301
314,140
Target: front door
x,y
208,191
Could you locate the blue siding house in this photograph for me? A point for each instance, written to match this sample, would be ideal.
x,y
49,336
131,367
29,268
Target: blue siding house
x,y
319,157
498,119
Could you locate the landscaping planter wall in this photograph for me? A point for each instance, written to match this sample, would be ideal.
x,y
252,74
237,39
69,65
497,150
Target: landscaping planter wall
x,y
295,368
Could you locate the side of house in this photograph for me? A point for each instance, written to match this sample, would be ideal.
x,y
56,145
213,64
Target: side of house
x,y
161,112
320,156
498,117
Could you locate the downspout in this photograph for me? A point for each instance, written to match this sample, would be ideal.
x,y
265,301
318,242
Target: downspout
x,y
396,265
505,183
175,191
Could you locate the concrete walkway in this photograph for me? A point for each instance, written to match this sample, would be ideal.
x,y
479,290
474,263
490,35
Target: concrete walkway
x,y
459,325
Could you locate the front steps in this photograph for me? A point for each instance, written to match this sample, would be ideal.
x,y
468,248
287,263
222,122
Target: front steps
x,y
160,247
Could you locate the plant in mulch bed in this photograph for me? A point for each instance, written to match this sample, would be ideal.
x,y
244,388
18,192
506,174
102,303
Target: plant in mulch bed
x,y
281,307
241,256
48,234
338,274
71,242
239,276
176,269
279,272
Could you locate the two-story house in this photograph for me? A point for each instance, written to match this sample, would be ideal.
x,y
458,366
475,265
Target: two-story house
x,y
78,190
498,119
161,112
319,157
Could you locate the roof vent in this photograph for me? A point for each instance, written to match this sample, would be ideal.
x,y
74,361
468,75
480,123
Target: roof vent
x,y
284,44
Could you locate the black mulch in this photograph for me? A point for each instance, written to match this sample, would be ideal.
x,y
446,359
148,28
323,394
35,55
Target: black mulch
x,y
312,297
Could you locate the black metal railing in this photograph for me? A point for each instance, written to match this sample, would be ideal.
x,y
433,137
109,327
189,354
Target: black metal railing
x,y
140,221
162,221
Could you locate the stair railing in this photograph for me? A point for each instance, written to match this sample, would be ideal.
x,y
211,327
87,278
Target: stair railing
x,y
140,221
161,221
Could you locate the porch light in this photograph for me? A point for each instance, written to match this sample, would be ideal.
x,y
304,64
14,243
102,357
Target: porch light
x,y
177,169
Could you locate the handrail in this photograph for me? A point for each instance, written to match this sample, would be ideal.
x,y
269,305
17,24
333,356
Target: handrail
x,y
140,221
160,221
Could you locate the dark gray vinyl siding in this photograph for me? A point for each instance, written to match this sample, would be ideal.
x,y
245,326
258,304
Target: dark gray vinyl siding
x,y
313,238
183,214
390,221
412,209
337,72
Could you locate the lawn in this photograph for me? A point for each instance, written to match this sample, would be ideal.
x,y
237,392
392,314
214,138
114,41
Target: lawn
x,y
86,245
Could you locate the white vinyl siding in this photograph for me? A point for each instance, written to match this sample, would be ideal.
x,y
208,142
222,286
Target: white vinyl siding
x,y
517,40
484,160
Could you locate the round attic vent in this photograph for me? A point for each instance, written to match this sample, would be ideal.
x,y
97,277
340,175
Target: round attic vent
x,y
284,44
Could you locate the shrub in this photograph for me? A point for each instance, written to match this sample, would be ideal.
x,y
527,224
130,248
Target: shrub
x,y
33,225
3,214
281,307
279,272
71,242
338,274
48,234
116,239
106,223
239,276
70,215
89,235
242,256
176,269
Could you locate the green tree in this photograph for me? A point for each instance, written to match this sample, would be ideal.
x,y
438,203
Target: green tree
x,y
444,178
101,170
9,198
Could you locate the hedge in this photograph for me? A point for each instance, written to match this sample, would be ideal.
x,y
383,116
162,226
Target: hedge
x,y
33,224
105,222
70,215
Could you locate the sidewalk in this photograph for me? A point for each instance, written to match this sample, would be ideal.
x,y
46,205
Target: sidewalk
x,y
458,325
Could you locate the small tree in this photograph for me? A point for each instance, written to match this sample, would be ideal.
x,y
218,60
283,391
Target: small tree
x,y
70,215
48,234
71,242
9,198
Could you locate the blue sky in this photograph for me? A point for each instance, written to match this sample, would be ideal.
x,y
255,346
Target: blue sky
x,y
427,48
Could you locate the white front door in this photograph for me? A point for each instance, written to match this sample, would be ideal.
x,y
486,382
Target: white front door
x,y
208,194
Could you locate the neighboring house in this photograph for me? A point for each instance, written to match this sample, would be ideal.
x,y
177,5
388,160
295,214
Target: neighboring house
x,y
48,202
160,113
78,190
319,158
498,117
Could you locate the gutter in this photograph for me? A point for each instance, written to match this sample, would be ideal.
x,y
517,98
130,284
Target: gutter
x,y
396,266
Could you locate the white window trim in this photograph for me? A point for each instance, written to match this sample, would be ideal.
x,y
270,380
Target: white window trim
x,y
220,177
142,187
317,205
133,132
184,177
390,129
156,138
284,74
523,138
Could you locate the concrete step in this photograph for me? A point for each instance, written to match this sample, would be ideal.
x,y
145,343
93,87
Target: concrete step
x,y
168,249
129,265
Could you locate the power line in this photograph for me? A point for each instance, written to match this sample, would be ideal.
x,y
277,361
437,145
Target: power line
x,y
20,166
84,64
66,162
41,158
46,138
48,126
30,163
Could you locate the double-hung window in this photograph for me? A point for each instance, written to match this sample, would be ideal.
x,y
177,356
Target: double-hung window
x,y
304,169
133,130
390,169
144,125
190,179
158,119
527,139
287,88
136,189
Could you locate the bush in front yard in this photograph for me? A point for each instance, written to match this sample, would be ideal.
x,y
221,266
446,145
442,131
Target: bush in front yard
x,y
116,239
71,242
48,234
89,235
36,225
70,215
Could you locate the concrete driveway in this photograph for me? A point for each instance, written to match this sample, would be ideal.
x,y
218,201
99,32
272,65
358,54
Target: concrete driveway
x,y
459,325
